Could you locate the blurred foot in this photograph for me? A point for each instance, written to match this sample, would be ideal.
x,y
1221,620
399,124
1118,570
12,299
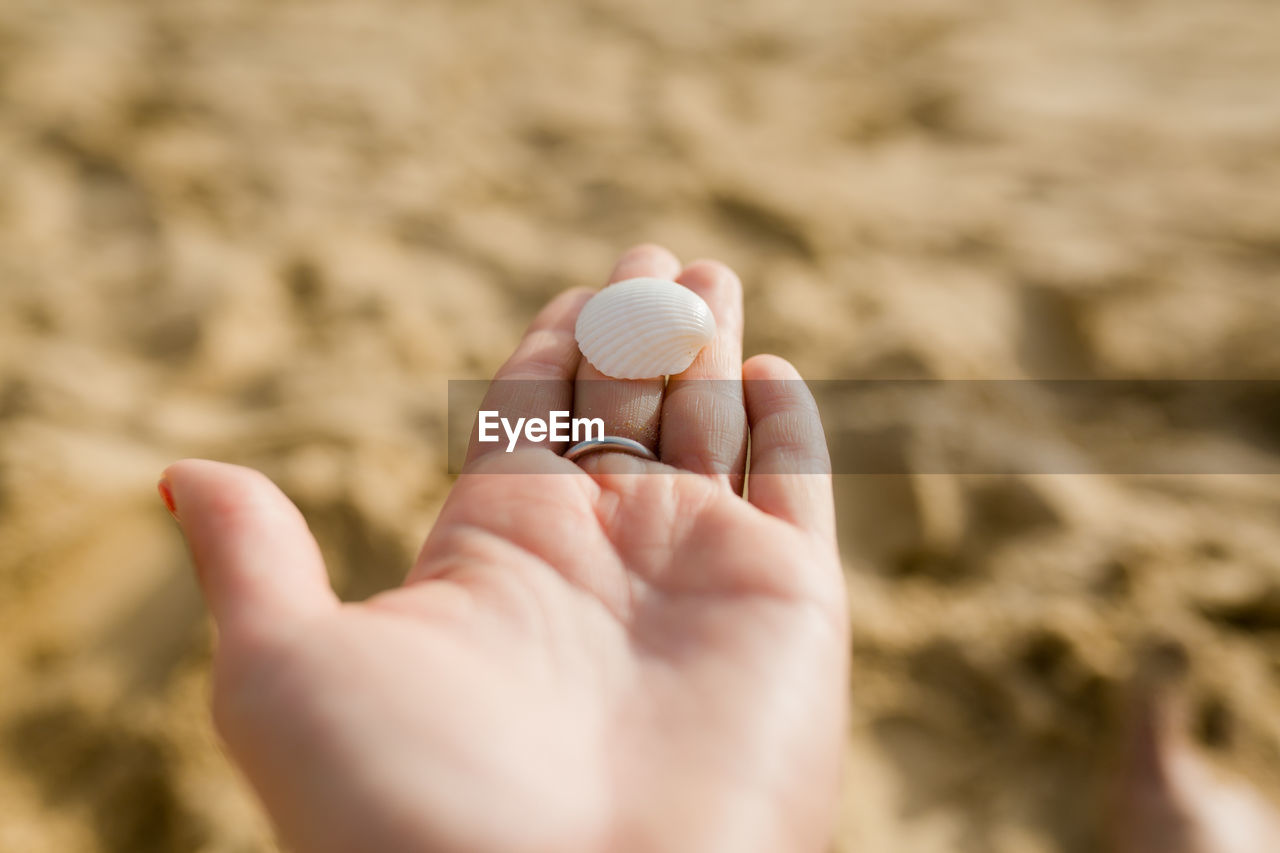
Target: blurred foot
x,y
1170,800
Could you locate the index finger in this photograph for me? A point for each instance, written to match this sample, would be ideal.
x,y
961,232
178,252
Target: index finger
x,y
538,377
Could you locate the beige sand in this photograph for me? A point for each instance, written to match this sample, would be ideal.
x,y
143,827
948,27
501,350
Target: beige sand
x,y
270,232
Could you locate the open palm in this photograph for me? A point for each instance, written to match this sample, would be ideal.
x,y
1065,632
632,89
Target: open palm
x,y
620,655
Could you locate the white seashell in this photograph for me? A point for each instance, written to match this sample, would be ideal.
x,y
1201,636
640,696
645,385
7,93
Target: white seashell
x,y
644,327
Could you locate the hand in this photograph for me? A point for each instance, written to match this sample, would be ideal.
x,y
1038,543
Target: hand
x,y
619,656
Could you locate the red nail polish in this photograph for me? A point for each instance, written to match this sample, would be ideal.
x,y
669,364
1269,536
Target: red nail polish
x,y
166,495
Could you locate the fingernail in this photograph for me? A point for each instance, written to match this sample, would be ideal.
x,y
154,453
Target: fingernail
x,y
166,495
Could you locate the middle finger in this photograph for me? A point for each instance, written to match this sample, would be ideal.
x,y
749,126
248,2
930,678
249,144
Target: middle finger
x,y
631,408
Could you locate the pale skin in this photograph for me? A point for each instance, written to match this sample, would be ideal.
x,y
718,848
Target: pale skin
x,y
615,656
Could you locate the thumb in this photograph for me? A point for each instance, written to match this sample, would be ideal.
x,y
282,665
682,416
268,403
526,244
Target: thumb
x,y
257,563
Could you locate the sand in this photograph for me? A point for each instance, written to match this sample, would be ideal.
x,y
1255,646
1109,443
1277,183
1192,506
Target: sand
x,y
271,232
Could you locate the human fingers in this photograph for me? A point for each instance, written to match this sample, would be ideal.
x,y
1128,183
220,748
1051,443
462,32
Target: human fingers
x,y
538,377
704,423
257,563
630,408
790,465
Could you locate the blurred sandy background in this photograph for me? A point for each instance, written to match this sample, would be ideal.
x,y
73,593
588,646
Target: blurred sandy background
x,y
271,232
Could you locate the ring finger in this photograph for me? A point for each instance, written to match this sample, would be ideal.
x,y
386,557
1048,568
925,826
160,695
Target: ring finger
x,y
704,421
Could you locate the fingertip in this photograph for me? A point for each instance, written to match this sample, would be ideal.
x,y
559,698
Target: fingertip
x,y
255,558
646,260
768,366
712,271
176,469
217,493
166,495
654,251
186,471
720,287
573,295
176,481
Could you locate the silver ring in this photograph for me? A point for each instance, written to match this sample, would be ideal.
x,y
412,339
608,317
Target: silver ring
x,y
610,442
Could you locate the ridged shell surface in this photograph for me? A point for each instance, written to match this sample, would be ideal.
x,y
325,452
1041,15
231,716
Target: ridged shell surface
x,y
644,327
